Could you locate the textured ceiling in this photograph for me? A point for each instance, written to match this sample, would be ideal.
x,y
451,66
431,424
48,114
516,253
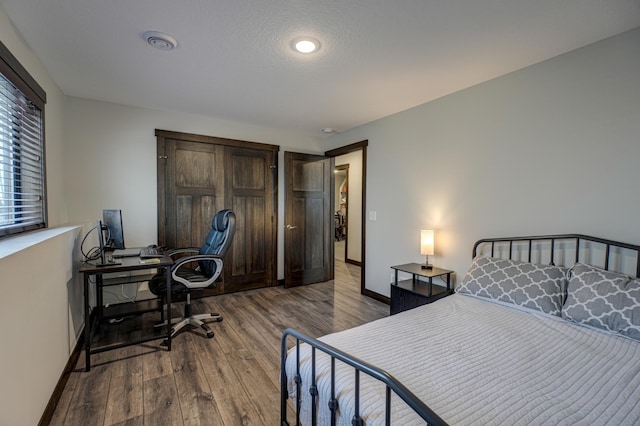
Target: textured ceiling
x,y
234,59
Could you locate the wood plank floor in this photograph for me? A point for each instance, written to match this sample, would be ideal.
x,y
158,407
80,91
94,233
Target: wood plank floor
x,y
232,379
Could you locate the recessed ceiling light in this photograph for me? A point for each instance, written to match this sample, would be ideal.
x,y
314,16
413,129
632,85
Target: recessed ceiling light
x,y
305,44
160,40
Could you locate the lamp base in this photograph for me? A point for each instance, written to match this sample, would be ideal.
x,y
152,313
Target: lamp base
x,y
426,266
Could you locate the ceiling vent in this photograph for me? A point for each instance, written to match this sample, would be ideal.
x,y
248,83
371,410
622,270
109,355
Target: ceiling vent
x,y
160,40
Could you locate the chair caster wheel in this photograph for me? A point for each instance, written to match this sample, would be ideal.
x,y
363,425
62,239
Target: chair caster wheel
x,y
219,319
164,343
210,334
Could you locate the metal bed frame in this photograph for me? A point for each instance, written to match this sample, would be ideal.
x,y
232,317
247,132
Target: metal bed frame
x,y
584,249
584,244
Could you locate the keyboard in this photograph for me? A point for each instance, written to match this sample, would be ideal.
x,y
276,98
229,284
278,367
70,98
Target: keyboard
x,y
131,252
150,252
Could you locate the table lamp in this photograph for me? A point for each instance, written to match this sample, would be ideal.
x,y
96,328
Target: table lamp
x,y
426,246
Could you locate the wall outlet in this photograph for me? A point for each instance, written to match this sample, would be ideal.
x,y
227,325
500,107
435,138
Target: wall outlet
x,y
372,215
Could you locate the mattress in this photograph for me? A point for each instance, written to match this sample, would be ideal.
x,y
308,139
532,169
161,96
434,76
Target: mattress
x,y
473,361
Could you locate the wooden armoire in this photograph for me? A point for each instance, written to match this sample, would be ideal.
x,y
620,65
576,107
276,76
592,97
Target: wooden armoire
x,y
200,175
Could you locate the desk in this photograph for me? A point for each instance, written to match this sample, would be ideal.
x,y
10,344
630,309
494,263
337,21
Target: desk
x,y
125,264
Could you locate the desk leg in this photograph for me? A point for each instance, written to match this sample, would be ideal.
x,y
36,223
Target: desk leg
x,y
99,303
87,325
168,276
448,283
430,286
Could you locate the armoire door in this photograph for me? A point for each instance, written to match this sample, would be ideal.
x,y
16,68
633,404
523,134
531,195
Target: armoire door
x,y
248,174
201,175
194,191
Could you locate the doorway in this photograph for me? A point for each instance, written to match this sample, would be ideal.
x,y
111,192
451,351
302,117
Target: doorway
x,y
341,204
348,207
347,271
356,156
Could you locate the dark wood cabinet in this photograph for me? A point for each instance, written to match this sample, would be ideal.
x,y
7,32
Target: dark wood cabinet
x,y
414,292
408,295
200,175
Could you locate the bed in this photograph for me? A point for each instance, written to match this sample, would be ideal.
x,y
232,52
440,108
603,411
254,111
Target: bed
x,y
541,330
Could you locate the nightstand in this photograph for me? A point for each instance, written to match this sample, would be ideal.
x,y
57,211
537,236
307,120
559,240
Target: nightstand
x,y
409,294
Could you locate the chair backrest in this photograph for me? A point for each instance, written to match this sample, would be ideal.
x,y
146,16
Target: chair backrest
x,y
218,240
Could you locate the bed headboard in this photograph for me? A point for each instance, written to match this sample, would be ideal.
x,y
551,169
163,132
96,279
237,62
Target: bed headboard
x,y
564,250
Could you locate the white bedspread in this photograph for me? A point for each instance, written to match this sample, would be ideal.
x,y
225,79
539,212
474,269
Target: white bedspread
x,y
474,362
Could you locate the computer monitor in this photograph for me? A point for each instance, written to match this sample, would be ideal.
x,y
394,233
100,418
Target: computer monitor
x,y
104,260
112,222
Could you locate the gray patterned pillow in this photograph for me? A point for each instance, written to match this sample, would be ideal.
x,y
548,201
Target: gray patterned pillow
x,y
538,287
604,300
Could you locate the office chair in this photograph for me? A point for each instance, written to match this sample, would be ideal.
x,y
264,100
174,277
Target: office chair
x,y
186,279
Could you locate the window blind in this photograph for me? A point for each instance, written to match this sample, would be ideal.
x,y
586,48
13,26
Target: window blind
x,y
22,183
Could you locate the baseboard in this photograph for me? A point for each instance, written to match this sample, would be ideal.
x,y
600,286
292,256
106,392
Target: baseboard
x,y
377,296
353,262
62,382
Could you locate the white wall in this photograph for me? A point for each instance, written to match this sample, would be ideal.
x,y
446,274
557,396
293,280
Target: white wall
x,y
354,197
37,324
552,148
41,297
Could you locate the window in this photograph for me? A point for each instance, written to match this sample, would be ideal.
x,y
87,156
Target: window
x,y
22,177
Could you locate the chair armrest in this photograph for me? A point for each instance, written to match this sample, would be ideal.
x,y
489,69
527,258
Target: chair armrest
x,y
181,262
186,250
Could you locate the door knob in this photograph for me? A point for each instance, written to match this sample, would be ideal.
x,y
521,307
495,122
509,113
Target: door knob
x,y
291,227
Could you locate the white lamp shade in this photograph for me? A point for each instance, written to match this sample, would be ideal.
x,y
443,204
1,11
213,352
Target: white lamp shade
x,y
426,242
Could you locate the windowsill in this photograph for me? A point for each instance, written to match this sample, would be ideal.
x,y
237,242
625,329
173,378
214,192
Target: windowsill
x,y
19,243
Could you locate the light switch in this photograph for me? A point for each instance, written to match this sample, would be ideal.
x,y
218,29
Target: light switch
x,y
372,215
